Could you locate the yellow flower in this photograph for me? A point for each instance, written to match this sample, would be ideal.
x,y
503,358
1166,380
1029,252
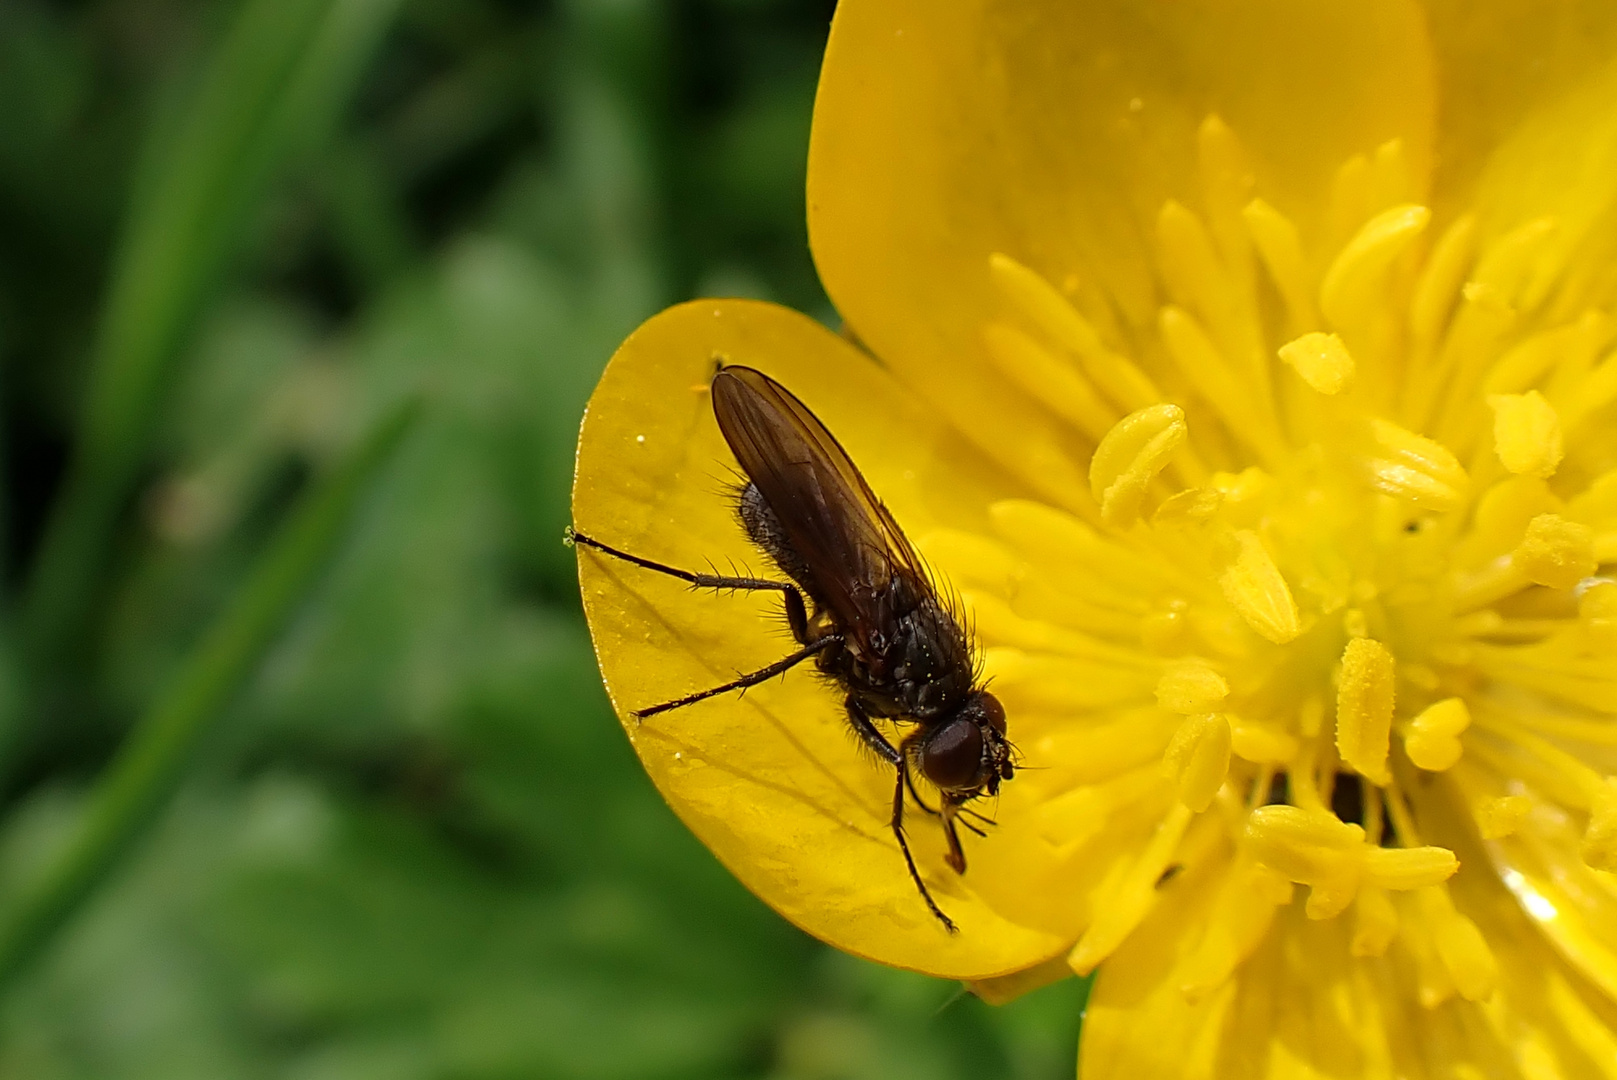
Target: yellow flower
x,y
1248,367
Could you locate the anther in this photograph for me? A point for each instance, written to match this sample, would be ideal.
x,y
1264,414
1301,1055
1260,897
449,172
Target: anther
x,y
1599,846
1413,467
1198,759
1351,284
1432,739
1253,585
1375,922
1117,377
1282,251
1499,817
1322,360
1526,434
1130,456
1555,553
1191,688
1460,946
1364,703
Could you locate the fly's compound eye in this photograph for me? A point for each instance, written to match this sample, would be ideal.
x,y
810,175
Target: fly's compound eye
x,y
952,757
992,711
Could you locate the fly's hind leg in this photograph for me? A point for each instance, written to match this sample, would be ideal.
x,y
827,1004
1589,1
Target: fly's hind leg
x,y
796,612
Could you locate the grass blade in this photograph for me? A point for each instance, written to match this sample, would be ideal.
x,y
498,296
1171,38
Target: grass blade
x,y
272,91
151,763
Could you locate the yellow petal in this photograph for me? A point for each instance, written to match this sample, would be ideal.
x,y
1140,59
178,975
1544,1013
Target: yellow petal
x,y
1527,114
771,782
1054,133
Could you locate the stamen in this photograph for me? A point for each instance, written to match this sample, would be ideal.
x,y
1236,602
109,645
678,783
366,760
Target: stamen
x,y
1406,868
1460,946
1198,759
1197,278
1118,378
1200,361
1226,181
1375,922
1568,350
1191,688
1127,893
1413,467
1239,918
1048,381
1504,285
1555,553
1432,738
971,559
1436,289
1364,702
1260,743
1526,434
1129,458
1389,181
1322,360
1597,612
1599,846
1353,285
1594,393
1512,265
1499,816
1282,251
1311,847
1255,588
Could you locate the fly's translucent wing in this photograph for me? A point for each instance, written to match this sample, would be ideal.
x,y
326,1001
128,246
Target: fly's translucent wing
x,y
848,544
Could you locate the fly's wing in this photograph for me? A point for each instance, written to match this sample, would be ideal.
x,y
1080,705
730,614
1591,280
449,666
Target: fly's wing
x,y
849,545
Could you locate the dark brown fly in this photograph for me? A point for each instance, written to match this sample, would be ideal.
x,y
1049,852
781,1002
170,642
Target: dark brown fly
x,y
860,602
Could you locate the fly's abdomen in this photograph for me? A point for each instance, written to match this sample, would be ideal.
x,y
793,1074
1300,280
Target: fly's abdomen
x,y
765,530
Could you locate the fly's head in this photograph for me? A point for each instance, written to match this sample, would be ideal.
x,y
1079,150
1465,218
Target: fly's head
x,y
966,753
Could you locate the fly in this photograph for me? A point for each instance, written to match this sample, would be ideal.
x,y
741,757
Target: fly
x,y
860,603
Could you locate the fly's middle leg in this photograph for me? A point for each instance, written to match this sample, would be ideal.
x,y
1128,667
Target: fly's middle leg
x,y
752,678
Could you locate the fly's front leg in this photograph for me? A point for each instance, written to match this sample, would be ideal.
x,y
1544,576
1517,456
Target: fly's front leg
x,y
904,846
956,857
895,756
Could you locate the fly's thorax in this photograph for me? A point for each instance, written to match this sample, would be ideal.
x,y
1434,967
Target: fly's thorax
x,y
930,660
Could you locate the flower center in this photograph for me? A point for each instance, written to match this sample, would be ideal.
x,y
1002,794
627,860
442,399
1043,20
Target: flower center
x,y
1340,533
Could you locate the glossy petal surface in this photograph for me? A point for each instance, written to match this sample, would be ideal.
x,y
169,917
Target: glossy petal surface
x,y
772,782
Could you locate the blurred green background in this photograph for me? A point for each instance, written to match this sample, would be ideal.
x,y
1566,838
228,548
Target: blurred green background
x,y
305,765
